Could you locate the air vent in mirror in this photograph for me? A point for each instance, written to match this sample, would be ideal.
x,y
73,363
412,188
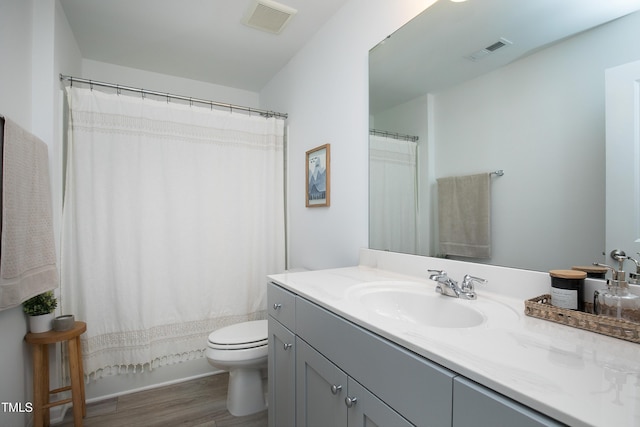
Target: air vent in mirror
x,y
482,53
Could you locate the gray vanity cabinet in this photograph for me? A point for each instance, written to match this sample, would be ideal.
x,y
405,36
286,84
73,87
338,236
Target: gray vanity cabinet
x,y
477,406
282,357
327,396
319,362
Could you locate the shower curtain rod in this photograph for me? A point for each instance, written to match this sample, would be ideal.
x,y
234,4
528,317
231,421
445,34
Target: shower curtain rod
x,y
168,96
394,135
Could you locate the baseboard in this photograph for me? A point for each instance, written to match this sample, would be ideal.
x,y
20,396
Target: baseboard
x,y
152,386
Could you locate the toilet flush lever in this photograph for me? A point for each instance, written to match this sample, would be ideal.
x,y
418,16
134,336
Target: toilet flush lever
x,y
287,346
277,306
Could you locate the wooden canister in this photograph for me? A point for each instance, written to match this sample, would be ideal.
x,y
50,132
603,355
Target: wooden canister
x,y
593,271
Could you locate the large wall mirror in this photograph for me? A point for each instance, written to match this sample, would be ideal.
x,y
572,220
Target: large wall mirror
x,y
512,85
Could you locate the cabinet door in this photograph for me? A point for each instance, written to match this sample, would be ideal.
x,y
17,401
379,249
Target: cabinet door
x,y
320,389
282,375
369,411
414,387
477,406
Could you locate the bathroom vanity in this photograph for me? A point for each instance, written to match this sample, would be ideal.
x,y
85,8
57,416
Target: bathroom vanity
x,y
375,343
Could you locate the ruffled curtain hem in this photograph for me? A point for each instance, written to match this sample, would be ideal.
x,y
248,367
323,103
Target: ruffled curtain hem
x,y
167,350
140,368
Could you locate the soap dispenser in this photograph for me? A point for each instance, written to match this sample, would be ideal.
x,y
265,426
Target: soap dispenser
x,y
616,300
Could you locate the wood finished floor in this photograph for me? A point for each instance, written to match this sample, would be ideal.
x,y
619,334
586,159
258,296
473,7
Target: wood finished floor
x,y
200,402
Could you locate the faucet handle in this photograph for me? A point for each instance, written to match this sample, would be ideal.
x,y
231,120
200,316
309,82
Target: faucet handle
x,y
468,281
437,274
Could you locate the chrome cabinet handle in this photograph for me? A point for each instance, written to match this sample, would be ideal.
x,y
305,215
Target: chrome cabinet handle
x,y
277,306
335,389
350,401
287,346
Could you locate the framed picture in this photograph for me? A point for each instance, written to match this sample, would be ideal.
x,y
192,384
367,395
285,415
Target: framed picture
x,y
318,176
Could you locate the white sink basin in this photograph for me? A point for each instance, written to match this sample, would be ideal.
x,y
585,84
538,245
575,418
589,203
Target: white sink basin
x,y
415,303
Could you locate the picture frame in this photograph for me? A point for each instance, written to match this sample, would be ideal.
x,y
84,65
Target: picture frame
x,y
318,176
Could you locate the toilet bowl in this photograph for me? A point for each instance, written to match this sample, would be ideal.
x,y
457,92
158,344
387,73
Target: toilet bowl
x,y
241,349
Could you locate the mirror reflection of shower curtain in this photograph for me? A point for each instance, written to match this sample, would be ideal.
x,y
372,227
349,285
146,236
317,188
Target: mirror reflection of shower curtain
x,y
393,194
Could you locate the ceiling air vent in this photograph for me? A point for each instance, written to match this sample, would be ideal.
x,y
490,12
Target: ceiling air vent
x,y
270,16
482,53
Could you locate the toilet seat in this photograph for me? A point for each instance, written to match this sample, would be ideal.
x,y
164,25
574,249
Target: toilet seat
x,y
240,336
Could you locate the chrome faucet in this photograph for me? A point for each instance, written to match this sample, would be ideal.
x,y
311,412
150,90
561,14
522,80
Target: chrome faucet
x,y
449,287
446,285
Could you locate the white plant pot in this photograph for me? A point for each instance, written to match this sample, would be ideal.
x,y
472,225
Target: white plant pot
x,y
42,323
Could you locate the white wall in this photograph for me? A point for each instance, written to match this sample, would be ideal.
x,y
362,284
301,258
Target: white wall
x,y
541,119
15,103
110,73
324,89
30,35
15,46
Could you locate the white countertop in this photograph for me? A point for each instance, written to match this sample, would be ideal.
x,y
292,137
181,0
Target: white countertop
x,y
574,376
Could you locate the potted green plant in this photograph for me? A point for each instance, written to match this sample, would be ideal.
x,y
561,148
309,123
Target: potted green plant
x,y
40,311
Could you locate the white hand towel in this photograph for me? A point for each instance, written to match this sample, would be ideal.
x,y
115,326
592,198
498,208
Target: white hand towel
x,y
27,256
464,215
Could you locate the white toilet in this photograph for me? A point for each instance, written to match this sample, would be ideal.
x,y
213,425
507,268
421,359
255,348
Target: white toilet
x,y
241,349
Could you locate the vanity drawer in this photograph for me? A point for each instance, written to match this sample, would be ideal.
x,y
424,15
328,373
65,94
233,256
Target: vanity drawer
x,y
416,388
281,305
476,405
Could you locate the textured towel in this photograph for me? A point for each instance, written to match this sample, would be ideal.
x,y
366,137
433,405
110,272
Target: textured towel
x,y
464,215
27,257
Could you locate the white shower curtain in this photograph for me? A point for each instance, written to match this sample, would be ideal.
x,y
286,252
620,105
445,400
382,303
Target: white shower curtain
x,y
173,216
393,194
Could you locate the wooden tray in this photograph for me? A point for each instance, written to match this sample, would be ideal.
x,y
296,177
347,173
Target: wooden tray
x,y
541,308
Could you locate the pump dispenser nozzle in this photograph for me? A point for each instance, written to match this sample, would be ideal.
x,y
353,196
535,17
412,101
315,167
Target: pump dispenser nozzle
x,y
616,275
634,277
